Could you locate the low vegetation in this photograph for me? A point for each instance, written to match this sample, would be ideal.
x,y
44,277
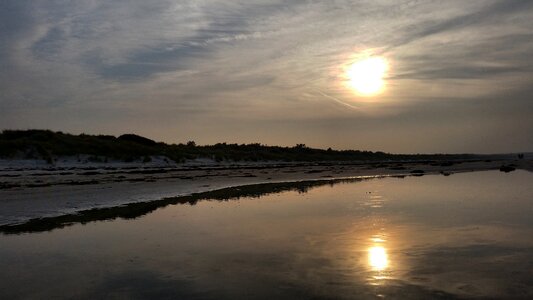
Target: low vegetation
x,y
46,144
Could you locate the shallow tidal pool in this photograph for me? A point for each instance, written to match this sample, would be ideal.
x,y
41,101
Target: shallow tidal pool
x,y
467,235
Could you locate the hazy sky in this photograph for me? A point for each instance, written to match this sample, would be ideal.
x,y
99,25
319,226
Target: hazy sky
x,y
460,75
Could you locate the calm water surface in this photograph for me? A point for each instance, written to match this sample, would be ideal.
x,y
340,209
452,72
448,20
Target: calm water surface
x,y
432,237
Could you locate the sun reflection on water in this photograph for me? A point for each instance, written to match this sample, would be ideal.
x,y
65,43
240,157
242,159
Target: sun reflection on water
x,y
378,258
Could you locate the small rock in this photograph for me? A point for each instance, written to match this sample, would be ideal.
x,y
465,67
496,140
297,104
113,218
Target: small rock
x,y
507,169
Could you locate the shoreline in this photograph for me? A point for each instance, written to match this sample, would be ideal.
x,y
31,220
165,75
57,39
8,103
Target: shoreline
x,y
61,193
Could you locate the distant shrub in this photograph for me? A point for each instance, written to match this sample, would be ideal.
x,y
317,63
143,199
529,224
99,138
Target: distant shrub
x,y
45,144
137,139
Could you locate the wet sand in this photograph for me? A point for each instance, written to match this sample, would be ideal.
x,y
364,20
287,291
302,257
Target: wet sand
x,y
32,193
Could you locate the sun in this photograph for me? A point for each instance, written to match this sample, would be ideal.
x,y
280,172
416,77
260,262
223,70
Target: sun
x,y
366,76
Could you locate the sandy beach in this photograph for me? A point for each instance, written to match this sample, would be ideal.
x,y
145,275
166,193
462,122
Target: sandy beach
x,y
31,191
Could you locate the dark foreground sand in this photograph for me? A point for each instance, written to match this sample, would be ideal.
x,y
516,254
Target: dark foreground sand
x,y
27,193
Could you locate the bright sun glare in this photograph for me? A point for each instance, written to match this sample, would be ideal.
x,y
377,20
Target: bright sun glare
x,y
377,258
366,76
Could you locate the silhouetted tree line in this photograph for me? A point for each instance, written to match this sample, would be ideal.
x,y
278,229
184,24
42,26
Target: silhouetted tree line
x,y
47,144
